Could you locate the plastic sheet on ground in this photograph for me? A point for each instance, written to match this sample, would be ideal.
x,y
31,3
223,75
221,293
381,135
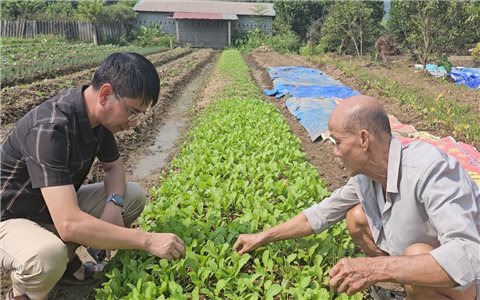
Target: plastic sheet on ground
x,y
400,128
300,76
467,76
312,91
435,70
467,155
312,113
306,82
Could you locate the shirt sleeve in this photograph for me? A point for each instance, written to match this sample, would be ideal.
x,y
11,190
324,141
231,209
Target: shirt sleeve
x,y
108,151
46,149
452,202
332,209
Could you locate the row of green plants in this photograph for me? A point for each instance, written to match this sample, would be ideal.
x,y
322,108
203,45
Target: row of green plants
x,y
240,170
463,121
24,60
31,95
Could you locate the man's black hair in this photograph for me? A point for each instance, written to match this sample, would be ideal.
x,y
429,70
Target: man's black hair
x,y
131,75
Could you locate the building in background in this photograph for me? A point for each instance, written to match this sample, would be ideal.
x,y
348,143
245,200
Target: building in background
x,y
205,23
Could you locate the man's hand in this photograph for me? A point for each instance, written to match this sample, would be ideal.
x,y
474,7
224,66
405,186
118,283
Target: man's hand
x,y
112,214
166,245
351,275
248,242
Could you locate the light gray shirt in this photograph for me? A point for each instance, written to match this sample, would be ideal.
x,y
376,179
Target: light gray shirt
x,y
430,198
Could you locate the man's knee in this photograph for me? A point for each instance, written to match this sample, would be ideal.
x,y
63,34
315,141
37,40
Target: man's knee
x,y
417,249
356,221
135,200
422,292
40,273
135,195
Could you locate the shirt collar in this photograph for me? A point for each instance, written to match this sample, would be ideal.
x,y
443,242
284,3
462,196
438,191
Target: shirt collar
x,y
394,159
84,125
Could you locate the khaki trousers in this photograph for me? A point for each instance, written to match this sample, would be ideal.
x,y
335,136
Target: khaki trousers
x,y
35,255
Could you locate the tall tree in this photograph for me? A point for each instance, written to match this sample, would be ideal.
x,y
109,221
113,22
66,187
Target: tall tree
x,y
297,15
26,9
426,28
349,24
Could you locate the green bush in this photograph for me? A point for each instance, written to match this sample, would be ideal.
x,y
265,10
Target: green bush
x,y
153,35
284,42
476,54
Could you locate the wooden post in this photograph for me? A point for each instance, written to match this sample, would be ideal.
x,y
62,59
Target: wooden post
x,y
178,32
229,33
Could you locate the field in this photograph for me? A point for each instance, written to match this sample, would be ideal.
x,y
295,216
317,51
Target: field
x,y
243,163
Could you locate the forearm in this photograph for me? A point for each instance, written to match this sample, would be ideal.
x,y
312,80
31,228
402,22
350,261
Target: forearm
x,y
90,231
114,179
296,227
420,270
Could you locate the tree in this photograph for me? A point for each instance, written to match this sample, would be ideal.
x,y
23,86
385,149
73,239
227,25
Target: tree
x,y
58,9
297,15
25,9
349,24
90,11
120,12
426,28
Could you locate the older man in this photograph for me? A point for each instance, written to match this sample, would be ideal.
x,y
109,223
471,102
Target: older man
x,y
413,210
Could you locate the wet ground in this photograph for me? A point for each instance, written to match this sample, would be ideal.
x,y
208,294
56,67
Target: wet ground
x,y
152,159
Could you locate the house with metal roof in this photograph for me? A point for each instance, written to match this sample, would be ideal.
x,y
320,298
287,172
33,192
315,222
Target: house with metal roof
x,y
205,23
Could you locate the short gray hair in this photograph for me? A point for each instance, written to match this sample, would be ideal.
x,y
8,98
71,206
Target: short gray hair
x,y
374,119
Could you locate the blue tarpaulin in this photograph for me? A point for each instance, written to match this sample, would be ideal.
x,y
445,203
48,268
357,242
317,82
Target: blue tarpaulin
x,y
313,95
312,91
305,82
312,113
439,72
467,76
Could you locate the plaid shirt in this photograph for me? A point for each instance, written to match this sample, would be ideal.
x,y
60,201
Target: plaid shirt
x,y
51,145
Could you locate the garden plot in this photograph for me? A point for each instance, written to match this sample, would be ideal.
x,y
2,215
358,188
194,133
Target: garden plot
x,y
239,170
27,60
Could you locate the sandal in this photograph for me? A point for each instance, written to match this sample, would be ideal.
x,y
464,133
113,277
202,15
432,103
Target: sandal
x,y
89,270
11,297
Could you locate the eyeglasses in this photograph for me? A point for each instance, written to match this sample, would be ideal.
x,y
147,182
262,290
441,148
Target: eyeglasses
x,y
132,114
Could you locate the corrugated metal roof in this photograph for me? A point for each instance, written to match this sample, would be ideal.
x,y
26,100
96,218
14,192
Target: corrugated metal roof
x,y
200,6
203,16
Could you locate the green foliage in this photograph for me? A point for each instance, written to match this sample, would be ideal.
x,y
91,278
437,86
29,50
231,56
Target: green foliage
x,y
90,11
240,170
13,9
476,54
120,12
442,61
152,35
310,50
297,16
283,42
24,60
426,28
58,10
349,27
314,32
